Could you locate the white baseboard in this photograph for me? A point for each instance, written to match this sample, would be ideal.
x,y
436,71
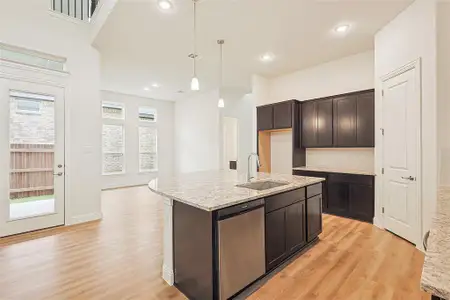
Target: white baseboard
x,y
377,223
168,275
85,218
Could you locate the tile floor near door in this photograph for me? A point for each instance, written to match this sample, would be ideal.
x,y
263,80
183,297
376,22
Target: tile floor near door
x,y
121,256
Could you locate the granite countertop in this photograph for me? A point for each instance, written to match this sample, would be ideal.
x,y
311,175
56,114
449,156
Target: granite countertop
x,y
212,190
436,268
334,170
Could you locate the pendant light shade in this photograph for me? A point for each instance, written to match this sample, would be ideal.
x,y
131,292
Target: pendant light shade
x,y
221,102
195,84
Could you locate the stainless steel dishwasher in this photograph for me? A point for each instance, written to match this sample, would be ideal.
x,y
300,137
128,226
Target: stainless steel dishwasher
x,y
241,246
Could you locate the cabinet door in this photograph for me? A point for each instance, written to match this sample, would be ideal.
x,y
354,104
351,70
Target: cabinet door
x,y
295,227
309,124
275,237
314,216
324,123
365,120
282,115
344,117
264,117
361,202
338,198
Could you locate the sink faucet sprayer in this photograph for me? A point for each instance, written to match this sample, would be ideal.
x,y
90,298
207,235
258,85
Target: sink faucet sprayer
x,y
249,165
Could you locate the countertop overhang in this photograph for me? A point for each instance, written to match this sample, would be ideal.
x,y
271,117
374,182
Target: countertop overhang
x,y
213,190
436,267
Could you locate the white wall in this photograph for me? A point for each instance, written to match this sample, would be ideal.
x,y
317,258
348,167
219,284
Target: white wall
x,y
412,35
353,159
443,50
281,152
165,127
197,133
29,24
348,74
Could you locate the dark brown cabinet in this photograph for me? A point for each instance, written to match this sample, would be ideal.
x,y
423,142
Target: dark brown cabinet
x,y
345,121
275,116
282,115
295,226
275,237
314,217
309,124
342,121
365,120
324,123
354,120
317,123
338,201
361,202
285,233
265,117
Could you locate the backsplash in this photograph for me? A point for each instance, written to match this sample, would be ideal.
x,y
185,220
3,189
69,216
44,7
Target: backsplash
x,y
358,159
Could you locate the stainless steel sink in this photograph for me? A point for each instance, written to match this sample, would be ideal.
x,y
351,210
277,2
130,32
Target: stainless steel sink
x,y
262,185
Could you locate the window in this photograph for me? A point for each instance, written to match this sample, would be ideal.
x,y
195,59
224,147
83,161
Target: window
x,y
113,138
28,106
113,149
147,149
113,110
147,114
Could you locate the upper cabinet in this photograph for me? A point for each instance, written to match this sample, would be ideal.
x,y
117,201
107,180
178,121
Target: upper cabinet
x,y
343,121
264,116
275,116
317,123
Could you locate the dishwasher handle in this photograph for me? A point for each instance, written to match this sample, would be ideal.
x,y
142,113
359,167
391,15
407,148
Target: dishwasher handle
x,y
235,210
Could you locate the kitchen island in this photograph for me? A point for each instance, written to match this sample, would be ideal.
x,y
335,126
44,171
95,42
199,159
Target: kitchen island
x,y
222,234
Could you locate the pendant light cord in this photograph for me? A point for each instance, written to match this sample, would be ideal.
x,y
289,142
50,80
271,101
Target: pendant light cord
x,y
195,38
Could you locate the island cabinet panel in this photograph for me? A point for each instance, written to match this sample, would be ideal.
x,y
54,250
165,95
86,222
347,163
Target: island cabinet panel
x,y
275,238
282,115
285,199
314,217
264,116
193,253
295,227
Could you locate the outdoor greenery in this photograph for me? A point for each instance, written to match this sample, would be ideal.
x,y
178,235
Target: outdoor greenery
x,y
31,199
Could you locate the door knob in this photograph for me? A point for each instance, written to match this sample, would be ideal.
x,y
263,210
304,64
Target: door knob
x,y
409,178
58,174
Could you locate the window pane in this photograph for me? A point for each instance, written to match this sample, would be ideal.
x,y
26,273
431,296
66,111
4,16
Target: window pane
x,y
147,149
147,114
113,148
113,110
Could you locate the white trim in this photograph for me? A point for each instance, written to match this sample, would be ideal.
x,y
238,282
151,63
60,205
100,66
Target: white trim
x,y
85,218
168,275
68,18
416,64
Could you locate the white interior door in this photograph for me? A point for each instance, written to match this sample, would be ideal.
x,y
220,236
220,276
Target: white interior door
x,y
31,156
401,154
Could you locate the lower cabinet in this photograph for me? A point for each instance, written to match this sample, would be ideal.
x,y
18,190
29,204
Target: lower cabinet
x,y
361,202
314,217
338,201
291,222
285,233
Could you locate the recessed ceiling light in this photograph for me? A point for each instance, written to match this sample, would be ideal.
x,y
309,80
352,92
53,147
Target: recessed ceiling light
x,y
342,28
267,57
164,4
146,89
156,85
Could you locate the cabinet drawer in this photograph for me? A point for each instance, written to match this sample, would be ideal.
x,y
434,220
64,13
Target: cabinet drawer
x,y
282,200
349,178
313,190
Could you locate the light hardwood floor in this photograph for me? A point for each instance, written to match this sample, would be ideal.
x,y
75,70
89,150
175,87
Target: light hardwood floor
x,y
121,256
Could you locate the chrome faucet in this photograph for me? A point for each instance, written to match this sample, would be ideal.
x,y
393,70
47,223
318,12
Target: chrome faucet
x,y
249,177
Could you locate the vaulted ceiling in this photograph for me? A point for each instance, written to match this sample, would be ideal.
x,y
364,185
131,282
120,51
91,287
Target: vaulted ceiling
x,y
141,45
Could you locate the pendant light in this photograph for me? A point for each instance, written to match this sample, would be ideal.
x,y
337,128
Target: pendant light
x,y
221,102
195,85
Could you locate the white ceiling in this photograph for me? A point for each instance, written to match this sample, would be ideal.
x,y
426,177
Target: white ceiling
x,y
140,44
